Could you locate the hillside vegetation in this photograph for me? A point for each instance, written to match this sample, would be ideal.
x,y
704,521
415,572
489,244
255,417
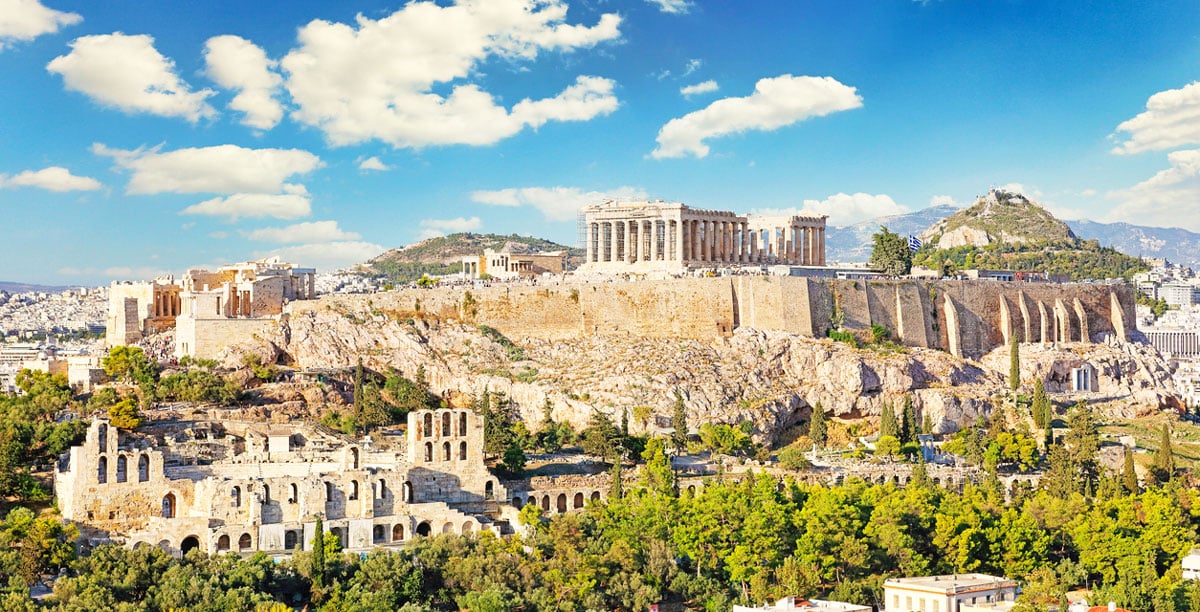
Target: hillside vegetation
x,y
443,254
1000,216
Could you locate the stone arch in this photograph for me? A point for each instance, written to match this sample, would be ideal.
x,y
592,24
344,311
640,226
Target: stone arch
x,y
330,490
516,502
562,503
407,492
340,533
189,543
122,468
102,470
165,545
462,423
353,490
445,451
448,527
245,542
489,490
428,425
293,493
235,497
446,426
383,490
467,528
578,502
223,543
289,539
353,458
595,496
429,451
103,435
143,468
937,482
691,490
377,534
398,533
462,451
266,493
168,505
546,503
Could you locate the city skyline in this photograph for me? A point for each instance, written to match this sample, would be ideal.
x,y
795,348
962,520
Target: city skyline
x,y
156,138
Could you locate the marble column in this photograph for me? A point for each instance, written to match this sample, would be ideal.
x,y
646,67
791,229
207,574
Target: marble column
x,y
612,241
820,246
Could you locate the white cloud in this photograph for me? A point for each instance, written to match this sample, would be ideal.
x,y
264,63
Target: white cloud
x,y
676,7
1171,119
699,88
373,163
376,79
27,19
555,203
776,102
843,209
944,200
431,228
1021,189
307,232
325,256
54,178
115,272
254,206
1170,198
128,73
219,169
238,64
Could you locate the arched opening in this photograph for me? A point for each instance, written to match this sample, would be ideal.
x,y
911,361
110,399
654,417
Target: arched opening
x,y
467,528
293,493
462,451
595,496
578,500
489,490
223,543
462,424
423,529
103,441
329,491
143,468
377,534
448,528
244,542
562,502
691,490
102,470
353,489
429,451
428,425
266,494
354,458
383,490
516,502
407,492
168,506
289,540
122,465
445,451
546,503
446,424
341,535
235,497
188,544
398,533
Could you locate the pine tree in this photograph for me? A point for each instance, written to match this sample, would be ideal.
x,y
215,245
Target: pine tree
x,y
358,389
680,423
926,423
1164,457
1129,473
920,475
887,421
318,554
908,422
1014,363
817,428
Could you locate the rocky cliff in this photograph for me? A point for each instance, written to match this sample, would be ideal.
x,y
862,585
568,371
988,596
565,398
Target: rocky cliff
x,y
771,378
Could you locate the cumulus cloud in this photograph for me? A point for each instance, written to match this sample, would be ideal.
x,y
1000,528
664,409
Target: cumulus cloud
x,y
238,64
945,200
555,203
675,7
128,73
1170,198
699,88
254,206
219,169
373,163
54,178
843,209
307,232
776,102
327,255
1171,119
23,20
432,228
377,79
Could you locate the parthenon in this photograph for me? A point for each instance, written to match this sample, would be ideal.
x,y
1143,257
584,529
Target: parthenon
x,y
658,235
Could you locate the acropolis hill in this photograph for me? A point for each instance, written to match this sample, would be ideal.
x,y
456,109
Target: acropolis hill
x,y
738,347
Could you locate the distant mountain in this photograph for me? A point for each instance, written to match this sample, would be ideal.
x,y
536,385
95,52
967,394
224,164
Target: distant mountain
x,y
1176,244
442,255
27,287
999,216
853,242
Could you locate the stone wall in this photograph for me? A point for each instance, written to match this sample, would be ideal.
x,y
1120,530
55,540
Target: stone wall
x,y
204,338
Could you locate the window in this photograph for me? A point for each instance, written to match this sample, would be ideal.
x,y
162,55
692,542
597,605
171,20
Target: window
x,y
446,424
168,506
103,435
223,543
143,468
429,451
244,542
462,451
445,451
428,425
354,458
122,464
102,471
462,424
235,497
353,489
293,493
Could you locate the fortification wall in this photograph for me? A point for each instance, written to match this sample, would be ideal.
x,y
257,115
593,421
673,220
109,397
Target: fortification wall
x,y
963,317
204,338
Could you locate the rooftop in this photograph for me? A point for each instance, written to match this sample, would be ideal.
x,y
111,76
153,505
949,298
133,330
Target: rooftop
x,y
951,583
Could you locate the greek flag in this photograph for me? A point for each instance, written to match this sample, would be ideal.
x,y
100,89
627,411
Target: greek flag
x,y
914,243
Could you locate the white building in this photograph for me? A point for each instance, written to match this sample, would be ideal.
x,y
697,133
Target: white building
x,y
791,604
1191,565
946,593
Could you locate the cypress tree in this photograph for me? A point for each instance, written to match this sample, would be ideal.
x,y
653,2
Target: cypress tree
x,y
1014,363
1164,457
887,421
358,389
818,430
625,422
616,491
1041,405
679,422
926,423
318,554
908,422
1129,473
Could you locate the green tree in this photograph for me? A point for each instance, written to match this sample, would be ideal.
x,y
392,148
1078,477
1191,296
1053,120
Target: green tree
x,y
616,490
124,415
657,475
318,555
887,446
887,421
1129,477
1042,415
908,422
514,460
890,253
1083,445
817,427
679,421
1164,457
601,438
1014,362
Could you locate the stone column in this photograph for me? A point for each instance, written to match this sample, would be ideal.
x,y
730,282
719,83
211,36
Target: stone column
x,y
754,246
591,243
677,240
720,236
630,245
612,242
728,242
820,246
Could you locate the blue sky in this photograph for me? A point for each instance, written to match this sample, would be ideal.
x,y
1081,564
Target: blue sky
x,y
144,137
